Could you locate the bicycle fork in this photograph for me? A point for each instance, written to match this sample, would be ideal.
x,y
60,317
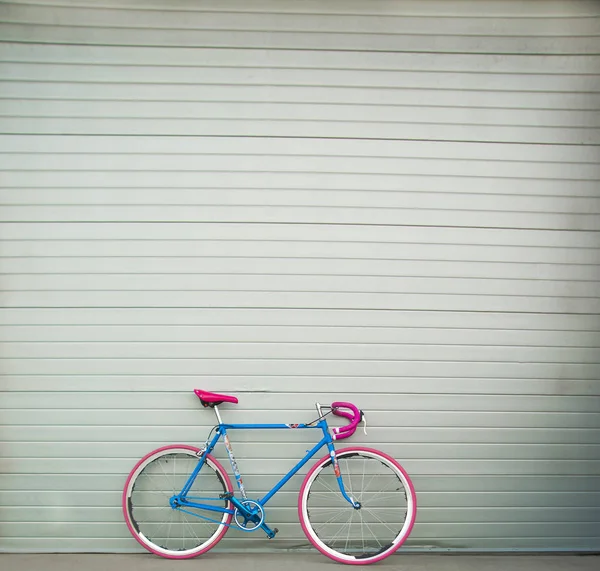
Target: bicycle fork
x,y
338,477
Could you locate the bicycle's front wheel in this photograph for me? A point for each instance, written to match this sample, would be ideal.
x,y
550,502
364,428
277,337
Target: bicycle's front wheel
x,y
386,515
169,531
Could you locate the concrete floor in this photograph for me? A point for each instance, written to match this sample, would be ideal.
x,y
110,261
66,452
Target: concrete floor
x,y
294,562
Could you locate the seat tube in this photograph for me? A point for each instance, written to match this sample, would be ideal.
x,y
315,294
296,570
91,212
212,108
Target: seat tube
x,y
232,461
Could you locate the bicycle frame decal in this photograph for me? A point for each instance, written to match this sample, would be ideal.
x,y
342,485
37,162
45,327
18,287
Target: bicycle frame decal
x,y
336,466
234,466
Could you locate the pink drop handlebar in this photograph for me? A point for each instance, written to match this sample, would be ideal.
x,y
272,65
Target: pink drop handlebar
x,y
353,415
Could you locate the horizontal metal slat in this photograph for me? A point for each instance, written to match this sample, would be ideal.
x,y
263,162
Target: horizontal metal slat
x,y
389,21
342,129
74,146
56,237
247,452
293,58
257,468
298,215
376,404
450,96
435,8
38,260
312,384
518,500
302,300
285,317
270,180
293,334
287,513
323,198
518,80
272,111
193,418
456,285
29,437
460,483
306,351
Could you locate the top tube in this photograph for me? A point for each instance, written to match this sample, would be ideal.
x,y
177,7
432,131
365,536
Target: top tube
x,y
228,426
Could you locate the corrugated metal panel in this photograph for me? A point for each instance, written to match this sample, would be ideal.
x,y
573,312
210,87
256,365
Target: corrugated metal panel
x,y
392,201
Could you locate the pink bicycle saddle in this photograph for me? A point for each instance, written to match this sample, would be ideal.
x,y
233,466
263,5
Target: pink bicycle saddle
x,y
211,399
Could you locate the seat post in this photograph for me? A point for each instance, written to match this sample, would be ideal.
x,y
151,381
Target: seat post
x,y
216,408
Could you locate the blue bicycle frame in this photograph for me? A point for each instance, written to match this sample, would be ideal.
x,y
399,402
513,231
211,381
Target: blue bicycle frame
x,y
255,515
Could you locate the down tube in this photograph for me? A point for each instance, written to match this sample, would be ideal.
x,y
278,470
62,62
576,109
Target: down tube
x,y
295,469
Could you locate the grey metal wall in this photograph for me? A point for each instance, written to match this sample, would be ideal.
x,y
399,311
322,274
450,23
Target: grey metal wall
x,y
393,202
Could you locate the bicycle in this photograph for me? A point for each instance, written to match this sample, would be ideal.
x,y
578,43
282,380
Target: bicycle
x,y
356,505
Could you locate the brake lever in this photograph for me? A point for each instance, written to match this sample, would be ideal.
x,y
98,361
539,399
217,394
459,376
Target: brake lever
x,y
364,421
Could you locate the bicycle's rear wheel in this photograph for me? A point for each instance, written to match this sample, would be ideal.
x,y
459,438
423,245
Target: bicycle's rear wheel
x,y
158,527
358,536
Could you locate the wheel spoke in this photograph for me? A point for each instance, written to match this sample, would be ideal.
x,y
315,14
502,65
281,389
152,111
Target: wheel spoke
x,y
187,522
362,530
340,531
374,536
331,519
349,528
349,480
161,491
381,521
160,527
388,489
362,485
165,474
324,484
170,526
369,483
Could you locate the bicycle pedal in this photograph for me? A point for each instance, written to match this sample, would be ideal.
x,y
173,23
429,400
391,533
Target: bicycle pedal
x,y
226,496
271,533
